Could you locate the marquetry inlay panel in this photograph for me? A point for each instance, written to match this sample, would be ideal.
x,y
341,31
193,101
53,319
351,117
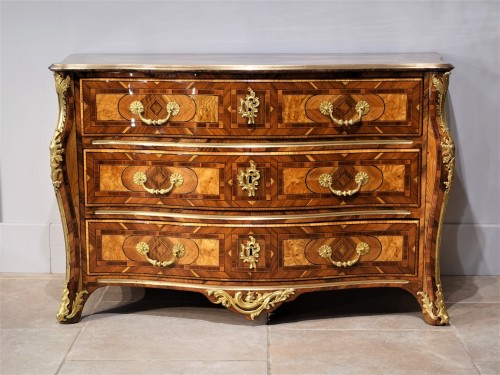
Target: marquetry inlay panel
x,y
211,108
284,180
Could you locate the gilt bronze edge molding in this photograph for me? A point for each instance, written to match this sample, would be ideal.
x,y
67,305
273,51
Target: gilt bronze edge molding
x,y
297,287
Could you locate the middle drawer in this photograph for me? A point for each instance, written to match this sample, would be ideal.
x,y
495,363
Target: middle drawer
x,y
271,180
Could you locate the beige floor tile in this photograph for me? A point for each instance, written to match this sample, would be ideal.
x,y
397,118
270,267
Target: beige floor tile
x,y
367,352
471,289
489,367
146,332
35,350
33,302
478,325
164,367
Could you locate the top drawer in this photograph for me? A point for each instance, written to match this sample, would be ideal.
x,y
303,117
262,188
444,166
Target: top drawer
x,y
241,109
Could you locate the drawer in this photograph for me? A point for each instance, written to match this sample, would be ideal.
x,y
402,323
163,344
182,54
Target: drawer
x,y
272,180
253,109
155,107
242,252
350,107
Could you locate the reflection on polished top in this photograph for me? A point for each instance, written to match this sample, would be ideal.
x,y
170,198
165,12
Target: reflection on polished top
x,y
253,62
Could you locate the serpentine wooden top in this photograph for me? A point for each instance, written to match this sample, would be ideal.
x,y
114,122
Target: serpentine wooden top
x,y
253,62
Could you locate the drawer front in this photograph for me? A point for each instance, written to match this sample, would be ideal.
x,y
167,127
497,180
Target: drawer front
x,y
242,252
152,108
252,109
350,107
276,180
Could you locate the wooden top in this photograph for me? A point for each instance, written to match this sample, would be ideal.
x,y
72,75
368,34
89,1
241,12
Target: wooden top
x,y
253,62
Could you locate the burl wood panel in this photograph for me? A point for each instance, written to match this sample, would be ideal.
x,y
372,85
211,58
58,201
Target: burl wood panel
x,y
287,108
210,178
286,252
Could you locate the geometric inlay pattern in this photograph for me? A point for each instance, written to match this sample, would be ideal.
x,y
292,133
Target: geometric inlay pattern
x,y
154,105
343,177
344,107
343,249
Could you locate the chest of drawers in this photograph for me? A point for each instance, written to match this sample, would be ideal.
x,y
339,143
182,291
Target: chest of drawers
x,y
252,179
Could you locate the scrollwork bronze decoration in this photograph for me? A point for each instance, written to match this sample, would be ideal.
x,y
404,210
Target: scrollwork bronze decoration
x,y
249,106
252,303
250,252
249,180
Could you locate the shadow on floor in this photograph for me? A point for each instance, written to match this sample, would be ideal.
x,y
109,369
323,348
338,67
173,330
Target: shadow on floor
x,y
309,306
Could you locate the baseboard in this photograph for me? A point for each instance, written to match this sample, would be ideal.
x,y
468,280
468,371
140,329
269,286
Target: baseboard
x,y
466,249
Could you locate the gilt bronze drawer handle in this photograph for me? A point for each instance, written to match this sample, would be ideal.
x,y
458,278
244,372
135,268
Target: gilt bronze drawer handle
x,y
137,108
176,180
249,179
362,108
178,252
249,107
362,248
361,179
250,252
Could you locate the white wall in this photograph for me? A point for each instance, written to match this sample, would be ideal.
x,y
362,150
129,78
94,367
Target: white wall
x,y
36,34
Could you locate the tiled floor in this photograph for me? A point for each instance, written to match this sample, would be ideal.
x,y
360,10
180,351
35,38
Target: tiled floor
x,y
133,331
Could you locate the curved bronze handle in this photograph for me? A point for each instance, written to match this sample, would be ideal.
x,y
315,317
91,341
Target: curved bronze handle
x,y
361,179
250,179
248,107
137,108
178,252
362,248
362,108
176,180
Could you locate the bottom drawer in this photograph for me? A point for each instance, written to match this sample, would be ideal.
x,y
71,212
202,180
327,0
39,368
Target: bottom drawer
x,y
252,252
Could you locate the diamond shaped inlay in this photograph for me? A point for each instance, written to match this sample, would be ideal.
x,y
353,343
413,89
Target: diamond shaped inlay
x,y
343,177
343,249
156,107
160,248
344,107
158,178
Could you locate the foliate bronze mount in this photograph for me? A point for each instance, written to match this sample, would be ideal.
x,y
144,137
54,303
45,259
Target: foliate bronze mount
x,y
252,303
249,106
250,252
249,179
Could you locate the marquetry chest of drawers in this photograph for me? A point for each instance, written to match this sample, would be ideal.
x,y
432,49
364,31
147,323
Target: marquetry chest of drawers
x,y
252,178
